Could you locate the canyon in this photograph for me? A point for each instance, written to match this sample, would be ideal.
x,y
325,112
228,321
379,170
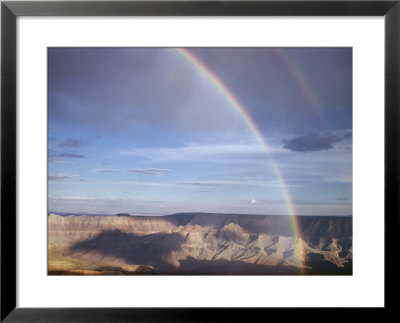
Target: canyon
x,y
199,244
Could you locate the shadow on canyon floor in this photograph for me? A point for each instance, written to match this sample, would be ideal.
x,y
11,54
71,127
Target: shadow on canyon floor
x,y
152,249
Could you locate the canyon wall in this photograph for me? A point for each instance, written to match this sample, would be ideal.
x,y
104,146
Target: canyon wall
x,y
207,243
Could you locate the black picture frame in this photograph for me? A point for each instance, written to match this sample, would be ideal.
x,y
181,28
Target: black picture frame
x,y
10,10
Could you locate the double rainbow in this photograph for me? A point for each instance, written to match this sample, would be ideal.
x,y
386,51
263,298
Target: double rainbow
x,y
299,78
202,69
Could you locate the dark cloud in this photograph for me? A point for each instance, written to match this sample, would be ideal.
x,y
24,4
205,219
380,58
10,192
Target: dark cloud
x,y
150,171
70,142
312,142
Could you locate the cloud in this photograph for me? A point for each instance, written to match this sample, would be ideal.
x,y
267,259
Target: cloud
x,y
205,183
239,182
134,183
54,160
70,155
70,142
300,202
324,166
253,201
150,171
65,178
82,204
312,142
108,170
61,177
53,154
348,135
146,171
207,152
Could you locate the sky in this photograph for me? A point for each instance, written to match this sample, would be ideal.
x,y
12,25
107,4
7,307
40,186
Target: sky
x,y
225,130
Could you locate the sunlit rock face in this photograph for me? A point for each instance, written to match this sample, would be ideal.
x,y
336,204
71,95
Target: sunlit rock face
x,y
208,243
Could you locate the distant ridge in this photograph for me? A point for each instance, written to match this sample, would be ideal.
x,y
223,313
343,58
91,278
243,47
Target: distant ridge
x,y
184,214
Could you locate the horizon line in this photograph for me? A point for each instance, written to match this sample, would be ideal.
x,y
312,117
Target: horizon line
x,y
63,213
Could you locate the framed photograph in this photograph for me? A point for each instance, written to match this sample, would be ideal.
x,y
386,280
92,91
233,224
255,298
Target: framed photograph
x,y
167,161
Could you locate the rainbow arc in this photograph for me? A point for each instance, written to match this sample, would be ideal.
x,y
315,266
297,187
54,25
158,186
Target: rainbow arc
x,y
206,72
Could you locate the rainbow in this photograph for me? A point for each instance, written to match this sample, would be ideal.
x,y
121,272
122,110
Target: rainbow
x,y
298,77
240,109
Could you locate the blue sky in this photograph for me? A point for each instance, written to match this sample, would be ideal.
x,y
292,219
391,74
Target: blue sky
x,y
141,130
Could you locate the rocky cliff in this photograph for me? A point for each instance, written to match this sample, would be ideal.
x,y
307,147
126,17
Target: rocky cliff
x,y
206,243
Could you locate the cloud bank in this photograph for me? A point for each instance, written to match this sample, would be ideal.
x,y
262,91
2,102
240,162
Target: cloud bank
x,y
314,141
